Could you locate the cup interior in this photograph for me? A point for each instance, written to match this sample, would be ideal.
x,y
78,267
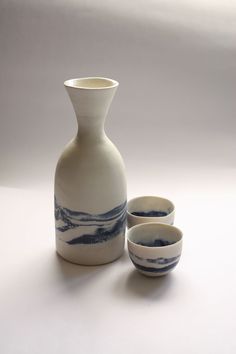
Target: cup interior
x,y
154,235
150,206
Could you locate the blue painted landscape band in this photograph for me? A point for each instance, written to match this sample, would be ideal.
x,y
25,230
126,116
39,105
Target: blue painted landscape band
x,y
107,225
155,270
159,260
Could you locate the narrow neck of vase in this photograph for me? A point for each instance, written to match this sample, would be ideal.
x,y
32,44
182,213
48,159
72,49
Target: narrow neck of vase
x,y
91,99
90,127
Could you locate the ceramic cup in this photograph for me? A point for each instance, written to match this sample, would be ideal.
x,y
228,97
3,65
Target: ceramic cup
x,y
150,209
154,248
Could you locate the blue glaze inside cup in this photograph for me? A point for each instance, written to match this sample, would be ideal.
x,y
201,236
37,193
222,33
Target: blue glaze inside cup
x,y
151,213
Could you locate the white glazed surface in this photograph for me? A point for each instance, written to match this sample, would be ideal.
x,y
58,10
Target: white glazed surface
x,y
148,203
158,261
90,176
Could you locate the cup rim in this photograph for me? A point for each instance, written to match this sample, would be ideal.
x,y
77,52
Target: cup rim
x,y
150,217
155,223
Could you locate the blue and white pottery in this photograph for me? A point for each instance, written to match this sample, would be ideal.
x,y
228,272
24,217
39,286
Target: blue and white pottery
x,y
90,183
154,248
147,209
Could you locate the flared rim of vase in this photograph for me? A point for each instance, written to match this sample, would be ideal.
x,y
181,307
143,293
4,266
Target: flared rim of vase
x,y
91,83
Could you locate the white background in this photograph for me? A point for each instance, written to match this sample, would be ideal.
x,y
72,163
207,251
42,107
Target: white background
x,y
173,119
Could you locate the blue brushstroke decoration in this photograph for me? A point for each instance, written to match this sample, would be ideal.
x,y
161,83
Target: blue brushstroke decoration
x,y
107,225
159,242
155,270
159,260
150,214
162,260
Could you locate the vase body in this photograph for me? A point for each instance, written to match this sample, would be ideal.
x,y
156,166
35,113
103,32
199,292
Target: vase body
x,y
90,183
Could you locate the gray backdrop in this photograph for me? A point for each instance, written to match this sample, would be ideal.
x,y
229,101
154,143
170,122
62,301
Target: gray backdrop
x,y
173,119
175,60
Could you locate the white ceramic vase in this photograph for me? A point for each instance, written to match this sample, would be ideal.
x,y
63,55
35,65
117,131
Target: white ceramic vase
x,y
90,183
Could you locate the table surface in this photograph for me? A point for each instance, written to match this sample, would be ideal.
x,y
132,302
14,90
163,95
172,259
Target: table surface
x,y
51,306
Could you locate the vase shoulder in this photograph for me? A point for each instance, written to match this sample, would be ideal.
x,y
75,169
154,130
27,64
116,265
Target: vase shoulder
x,y
90,177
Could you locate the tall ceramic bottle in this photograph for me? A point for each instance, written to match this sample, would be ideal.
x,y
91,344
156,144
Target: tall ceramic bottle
x,y
90,183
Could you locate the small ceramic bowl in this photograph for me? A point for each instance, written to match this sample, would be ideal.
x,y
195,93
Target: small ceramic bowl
x,y
150,209
154,248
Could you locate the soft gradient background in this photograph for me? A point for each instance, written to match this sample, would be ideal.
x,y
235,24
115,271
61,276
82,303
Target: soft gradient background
x,y
173,120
